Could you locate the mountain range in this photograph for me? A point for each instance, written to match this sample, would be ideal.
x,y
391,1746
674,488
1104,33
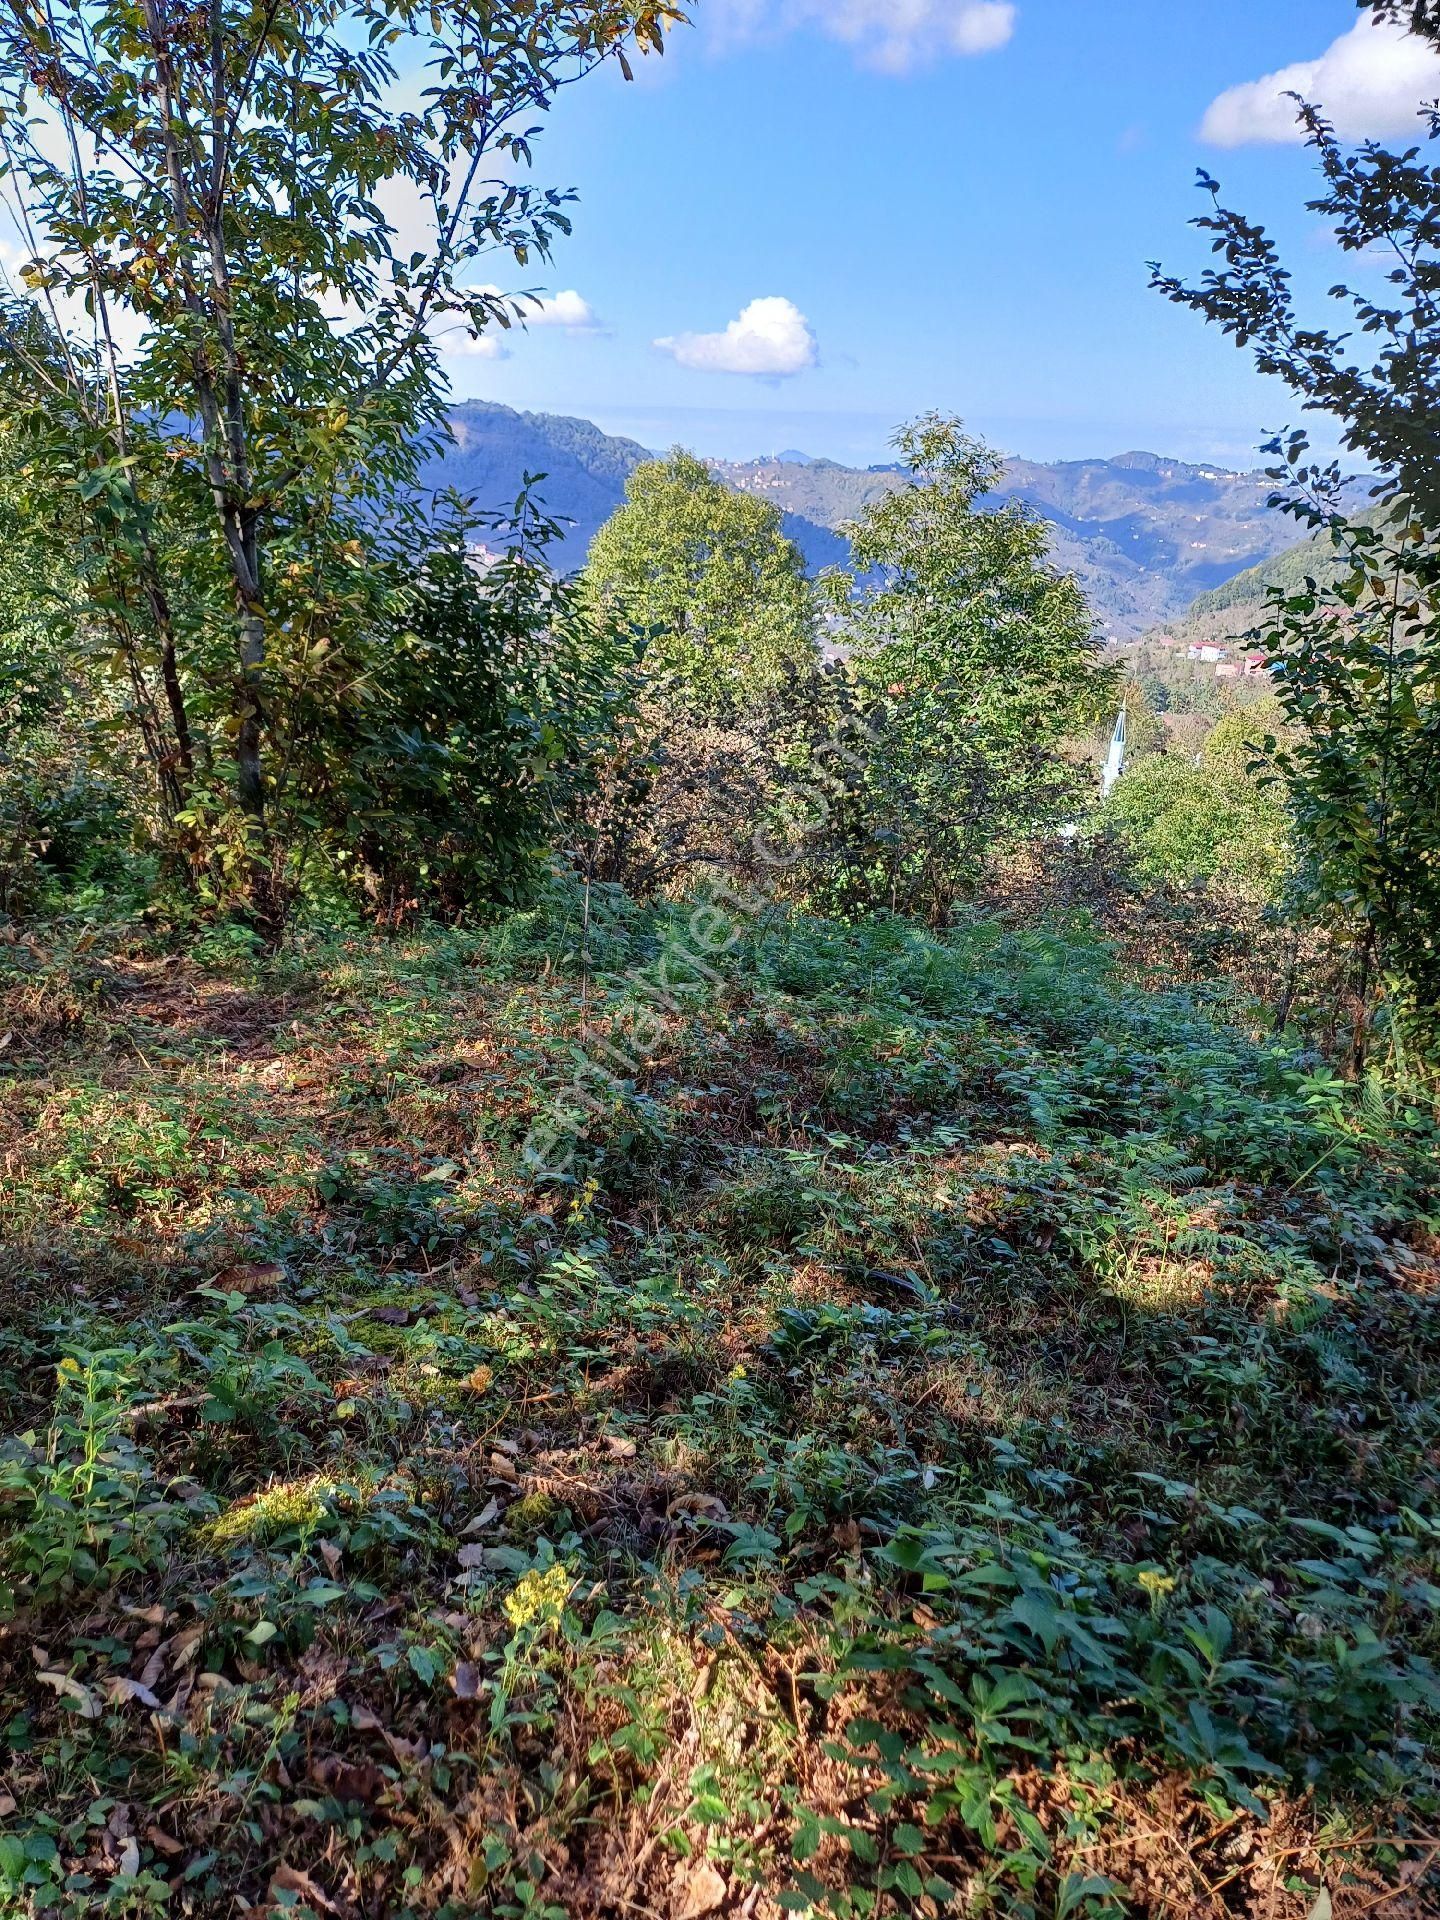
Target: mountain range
x,y
1144,535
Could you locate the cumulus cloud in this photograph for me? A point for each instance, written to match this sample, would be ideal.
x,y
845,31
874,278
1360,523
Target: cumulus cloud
x,y
562,310
771,338
452,335
469,346
1370,83
893,35
568,310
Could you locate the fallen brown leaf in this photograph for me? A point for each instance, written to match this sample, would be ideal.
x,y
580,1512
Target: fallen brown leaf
x,y
348,1781
291,1880
701,1891
486,1517
120,1691
185,1646
150,1616
250,1279
69,1688
700,1506
465,1681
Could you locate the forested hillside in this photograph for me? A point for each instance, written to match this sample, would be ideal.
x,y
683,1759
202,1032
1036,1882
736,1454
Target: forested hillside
x,y
492,448
1141,534
1316,558
697,1218
1232,617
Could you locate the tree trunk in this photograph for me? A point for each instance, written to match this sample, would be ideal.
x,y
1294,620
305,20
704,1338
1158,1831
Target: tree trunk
x,y
1364,1011
250,775
197,205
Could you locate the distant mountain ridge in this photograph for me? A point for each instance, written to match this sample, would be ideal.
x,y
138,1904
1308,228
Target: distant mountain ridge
x,y
1143,534
585,469
1314,558
493,448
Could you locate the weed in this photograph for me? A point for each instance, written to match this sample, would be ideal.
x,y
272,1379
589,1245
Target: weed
x,y
963,1440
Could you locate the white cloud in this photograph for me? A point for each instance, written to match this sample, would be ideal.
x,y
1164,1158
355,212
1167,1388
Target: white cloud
x,y
894,35
771,338
562,310
1370,83
461,345
569,310
452,335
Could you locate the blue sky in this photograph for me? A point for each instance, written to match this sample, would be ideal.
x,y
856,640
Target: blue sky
x,y
963,230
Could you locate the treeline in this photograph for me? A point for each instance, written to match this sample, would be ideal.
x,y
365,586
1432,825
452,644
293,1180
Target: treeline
x,y
241,643
671,710
244,661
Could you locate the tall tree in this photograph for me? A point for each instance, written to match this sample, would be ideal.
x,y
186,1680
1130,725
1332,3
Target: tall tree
x,y
977,656
246,222
709,574
1359,660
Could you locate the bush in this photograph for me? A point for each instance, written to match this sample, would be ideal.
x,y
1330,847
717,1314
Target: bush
x,y
1206,821
491,696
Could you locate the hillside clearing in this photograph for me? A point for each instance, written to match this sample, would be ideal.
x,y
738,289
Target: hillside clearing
x,y
966,1441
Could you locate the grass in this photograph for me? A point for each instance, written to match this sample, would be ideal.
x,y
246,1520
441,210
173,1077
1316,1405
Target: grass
x,y
963,1441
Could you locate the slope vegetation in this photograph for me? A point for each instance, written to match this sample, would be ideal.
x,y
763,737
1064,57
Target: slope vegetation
x,y
1311,559
966,1435
1141,534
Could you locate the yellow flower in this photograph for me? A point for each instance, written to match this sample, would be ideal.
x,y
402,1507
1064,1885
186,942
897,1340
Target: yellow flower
x,y
538,1599
1157,1585
67,1370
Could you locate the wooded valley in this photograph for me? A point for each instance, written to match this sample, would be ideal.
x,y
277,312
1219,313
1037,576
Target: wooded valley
x,y
689,1227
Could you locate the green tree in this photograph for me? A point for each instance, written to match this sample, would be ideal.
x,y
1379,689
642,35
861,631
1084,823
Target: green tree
x,y
1359,659
235,370
1186,822
483,722
708,573
1361,691
975,659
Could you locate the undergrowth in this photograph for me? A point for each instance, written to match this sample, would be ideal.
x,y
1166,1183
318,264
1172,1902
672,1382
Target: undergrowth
x,y
962,1440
